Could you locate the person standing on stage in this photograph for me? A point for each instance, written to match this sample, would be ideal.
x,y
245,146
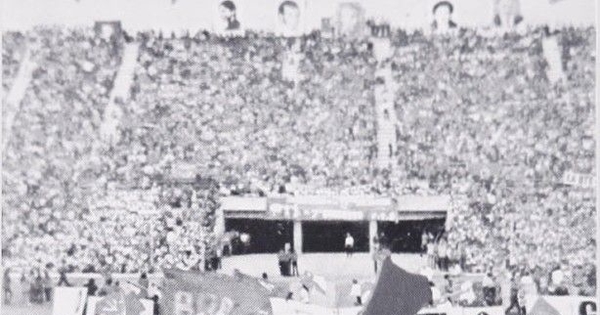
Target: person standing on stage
x,y
349,244
376,253
294,262
442,251
281,258
431,254
245,239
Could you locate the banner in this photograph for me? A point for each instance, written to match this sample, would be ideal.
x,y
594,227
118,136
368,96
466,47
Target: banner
x,y
553,56
69,301
187,292
570,305
280,209
578,179
397,292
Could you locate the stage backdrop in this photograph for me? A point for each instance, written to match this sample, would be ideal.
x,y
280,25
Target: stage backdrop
x,y
180,15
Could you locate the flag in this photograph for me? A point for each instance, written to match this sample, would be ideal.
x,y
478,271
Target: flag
x,y
398,292
212,293
69,301
542,307
314,282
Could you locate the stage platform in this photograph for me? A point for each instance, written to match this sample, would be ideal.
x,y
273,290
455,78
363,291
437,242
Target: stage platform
x,y
328,265
337,269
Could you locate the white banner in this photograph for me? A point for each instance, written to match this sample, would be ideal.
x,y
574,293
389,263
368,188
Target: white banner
x,y
69,301
578,179
573,305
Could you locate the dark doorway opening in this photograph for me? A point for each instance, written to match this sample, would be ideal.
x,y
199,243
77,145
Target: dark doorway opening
x,y
265,236
405,236
329,236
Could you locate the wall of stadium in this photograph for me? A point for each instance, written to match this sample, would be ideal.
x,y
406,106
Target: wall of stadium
x,y
175,15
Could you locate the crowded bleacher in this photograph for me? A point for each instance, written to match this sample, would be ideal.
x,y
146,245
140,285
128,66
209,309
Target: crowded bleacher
x,y
477,118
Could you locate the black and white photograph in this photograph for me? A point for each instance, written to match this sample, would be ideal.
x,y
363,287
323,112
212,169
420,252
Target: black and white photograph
x,y
316,157
227,20
291,18
351,19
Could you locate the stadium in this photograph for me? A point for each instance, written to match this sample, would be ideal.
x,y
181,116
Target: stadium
x,y
303,146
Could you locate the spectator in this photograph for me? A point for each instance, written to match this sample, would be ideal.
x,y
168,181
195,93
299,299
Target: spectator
x,y
108,287
91,287
502,165
48,286
6,287
356,292
489,289
25,290
143,283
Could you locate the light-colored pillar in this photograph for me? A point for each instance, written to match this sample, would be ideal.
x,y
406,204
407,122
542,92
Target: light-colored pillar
x,y
219,222
372,234
298,236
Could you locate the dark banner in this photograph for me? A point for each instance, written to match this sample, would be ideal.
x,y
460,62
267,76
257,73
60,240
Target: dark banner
x,y
187,292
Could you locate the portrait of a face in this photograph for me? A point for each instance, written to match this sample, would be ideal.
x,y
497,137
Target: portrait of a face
x,y
106,31
228,14
442,16
350,18
442,13
289,15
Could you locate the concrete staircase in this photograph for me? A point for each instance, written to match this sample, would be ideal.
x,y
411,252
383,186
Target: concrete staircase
x,y
119,94
386,119
12,105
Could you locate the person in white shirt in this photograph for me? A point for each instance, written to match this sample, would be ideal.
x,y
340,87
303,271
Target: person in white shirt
x,y
435,294
245,239
349,244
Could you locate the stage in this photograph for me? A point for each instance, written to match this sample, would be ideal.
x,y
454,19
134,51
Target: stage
x,y
328,265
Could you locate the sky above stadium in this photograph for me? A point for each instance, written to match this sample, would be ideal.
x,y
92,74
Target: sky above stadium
x,y
260,14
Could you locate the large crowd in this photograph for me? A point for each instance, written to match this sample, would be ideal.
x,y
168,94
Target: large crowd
x,y
223,104
494,128
478,119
